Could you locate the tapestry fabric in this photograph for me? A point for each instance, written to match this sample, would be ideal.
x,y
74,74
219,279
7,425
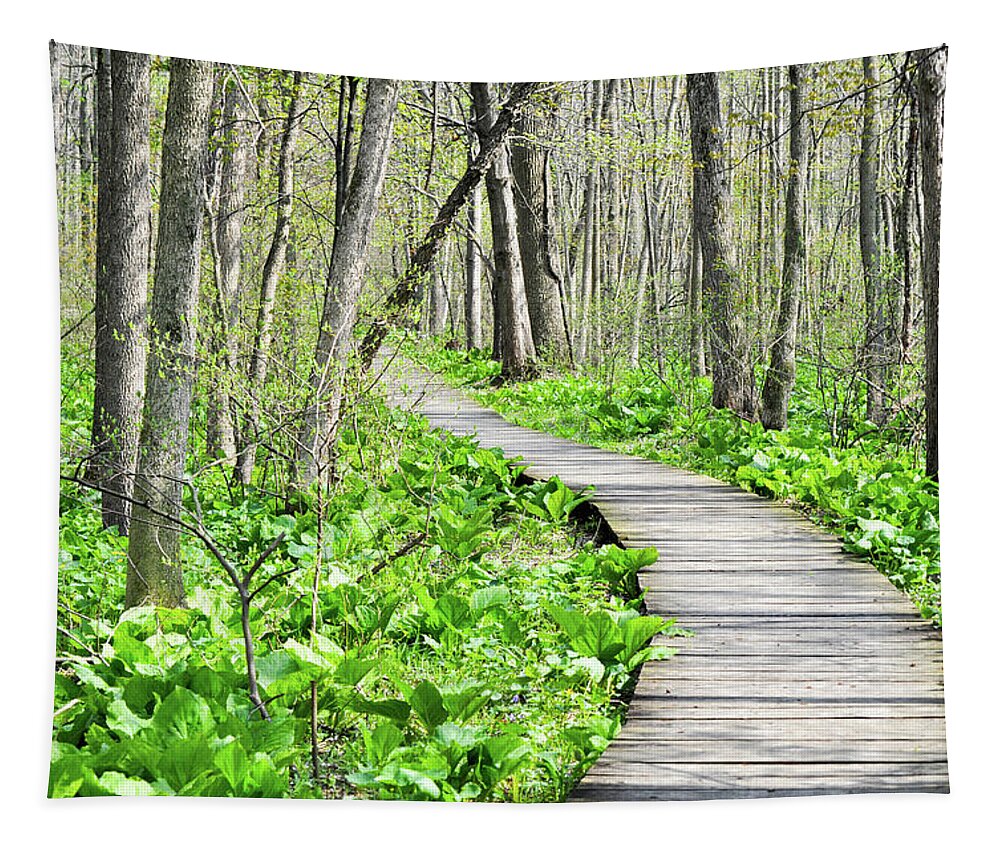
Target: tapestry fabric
x,y
514,442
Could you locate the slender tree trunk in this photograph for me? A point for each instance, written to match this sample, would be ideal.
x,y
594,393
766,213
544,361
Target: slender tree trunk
x,y
533,200
438,308
344,281
930,92
696,322
873,354
121,277
904,231
732,376
474,274
154,558
227,239
345,134
639,308
518,350
781,374
274,265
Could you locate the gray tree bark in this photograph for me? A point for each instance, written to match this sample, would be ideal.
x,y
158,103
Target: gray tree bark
x,y
344,281
534,203
474,274
121,277
905,229
154,558
227,242
873,346
930,93
732,376
696,317
517,353
780,378
274,265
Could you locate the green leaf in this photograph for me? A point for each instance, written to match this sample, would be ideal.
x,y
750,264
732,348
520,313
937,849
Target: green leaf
x,y
185,761
637,631
427,703
462,702
397,711
183,714
123,720
599,637
452,735
380,743
352,671
571,621
231,760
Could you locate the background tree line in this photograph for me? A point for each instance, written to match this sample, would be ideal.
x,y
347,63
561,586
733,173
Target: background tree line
x,y
232,237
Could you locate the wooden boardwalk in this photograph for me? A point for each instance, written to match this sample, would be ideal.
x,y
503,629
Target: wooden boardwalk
x,y
808,673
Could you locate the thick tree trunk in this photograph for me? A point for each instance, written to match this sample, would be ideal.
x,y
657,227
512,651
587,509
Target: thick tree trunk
x,y
121,273
732,376
274,265
518,350
930,92
533,200
343,286
873,346
781,374
154,559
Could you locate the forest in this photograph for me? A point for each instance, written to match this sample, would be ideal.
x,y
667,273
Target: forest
x,y
273,581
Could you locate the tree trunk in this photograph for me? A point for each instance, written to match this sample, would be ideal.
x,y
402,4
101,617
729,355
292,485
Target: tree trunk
x,y
696,320
904,231
474,274
518,350
873,346
930,92
732,376
533,200
343,285
780,379
121,277
227,238
439,307
154,563
274,265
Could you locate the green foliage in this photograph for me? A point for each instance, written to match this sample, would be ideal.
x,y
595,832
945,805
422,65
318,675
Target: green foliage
x,y
151,717
447,675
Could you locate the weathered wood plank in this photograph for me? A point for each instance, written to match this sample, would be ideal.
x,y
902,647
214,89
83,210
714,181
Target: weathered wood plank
x,y
773,729
830,749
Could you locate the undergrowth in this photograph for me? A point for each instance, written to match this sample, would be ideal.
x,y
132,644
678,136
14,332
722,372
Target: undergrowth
x,y
485,662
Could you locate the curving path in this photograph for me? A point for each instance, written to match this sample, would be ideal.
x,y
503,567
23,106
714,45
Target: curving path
x,y
808,673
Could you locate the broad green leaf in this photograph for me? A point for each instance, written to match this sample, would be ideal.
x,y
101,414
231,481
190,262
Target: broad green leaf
x,y
231,760
183,714
426,702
